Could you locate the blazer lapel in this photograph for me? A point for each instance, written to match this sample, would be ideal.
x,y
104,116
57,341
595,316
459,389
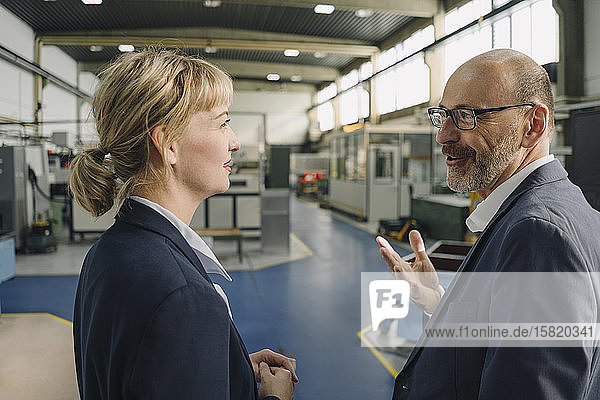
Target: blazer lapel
x,y
135,213
547,173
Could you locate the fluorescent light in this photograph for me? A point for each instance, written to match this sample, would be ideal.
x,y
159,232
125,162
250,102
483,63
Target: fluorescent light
x,y
210,50
324,8
95,48
91,2
126,48
211,3
319,54
295,78
273,77
291,52
363,13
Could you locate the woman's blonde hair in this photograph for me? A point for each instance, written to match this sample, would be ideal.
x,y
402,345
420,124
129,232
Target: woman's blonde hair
x,y
137,93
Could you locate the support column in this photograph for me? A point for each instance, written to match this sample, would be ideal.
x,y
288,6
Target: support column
x,y
336,105
435,60
38,86
571,36
373,114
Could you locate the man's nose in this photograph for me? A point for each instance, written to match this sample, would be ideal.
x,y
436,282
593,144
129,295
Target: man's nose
x,y
448,132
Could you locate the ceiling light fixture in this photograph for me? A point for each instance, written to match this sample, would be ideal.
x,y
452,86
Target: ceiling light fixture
x,y
319,54
291,52
126,48
212,3
91,2
295,78
324,8
95,48
273,77
210,50
363,13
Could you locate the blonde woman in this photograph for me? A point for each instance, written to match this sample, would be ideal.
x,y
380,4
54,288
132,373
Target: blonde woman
x,y
148,321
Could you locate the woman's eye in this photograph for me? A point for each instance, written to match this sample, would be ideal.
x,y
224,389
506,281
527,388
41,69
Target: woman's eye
x,y
226,123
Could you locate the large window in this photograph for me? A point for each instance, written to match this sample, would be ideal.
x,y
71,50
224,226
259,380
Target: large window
x,y
469,12
325,112
530,27
406,84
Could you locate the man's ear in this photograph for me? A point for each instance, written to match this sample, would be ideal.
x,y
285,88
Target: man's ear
x,y
536,126
158,136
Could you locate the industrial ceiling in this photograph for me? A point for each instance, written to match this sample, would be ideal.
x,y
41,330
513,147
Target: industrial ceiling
x,y
246,37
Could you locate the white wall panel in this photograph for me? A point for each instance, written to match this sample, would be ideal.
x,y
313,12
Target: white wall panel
x,y
59,105
287,120
59,63
15,34
265,102
16,85
16,92
88,82
286,129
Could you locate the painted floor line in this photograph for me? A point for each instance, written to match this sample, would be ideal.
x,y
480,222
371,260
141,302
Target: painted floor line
x,y
301,243
43,314
376,353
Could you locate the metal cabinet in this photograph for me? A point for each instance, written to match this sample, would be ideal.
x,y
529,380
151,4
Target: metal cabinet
x,y
375,169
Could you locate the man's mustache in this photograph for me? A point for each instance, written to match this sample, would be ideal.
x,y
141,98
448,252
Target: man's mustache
x,y
455,151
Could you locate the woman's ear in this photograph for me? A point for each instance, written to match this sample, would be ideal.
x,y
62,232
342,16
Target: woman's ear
x,y
536,126
158,137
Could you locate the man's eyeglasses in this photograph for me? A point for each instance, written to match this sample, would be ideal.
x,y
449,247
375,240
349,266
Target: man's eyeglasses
x,y
464,118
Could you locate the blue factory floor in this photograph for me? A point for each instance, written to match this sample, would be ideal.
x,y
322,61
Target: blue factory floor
x,y
309,308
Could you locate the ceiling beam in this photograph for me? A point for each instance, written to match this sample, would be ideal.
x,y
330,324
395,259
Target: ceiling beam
x,y
210,33
413,8
357,50
255,70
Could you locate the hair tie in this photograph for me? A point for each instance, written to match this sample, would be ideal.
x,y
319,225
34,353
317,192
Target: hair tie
x,y
101,153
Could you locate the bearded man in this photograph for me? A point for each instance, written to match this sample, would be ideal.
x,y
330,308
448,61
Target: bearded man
x,y
495,123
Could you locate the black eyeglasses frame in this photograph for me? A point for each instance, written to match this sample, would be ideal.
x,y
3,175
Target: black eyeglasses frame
x,y
475,111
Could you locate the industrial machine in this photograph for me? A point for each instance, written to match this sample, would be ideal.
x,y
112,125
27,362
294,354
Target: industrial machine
x,y
376,169
310,174
20,202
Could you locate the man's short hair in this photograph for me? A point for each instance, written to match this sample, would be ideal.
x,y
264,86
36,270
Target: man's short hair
x,y
533,85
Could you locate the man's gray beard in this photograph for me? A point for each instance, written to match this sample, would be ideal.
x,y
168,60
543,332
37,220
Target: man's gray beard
x,y
485,168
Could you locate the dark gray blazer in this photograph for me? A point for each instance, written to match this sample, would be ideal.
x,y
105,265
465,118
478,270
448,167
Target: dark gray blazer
x,y
545,225
148,322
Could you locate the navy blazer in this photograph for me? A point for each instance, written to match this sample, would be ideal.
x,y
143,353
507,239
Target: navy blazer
x,y
148,322
545,225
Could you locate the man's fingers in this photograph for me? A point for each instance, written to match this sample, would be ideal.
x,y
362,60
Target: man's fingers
x,y
416,242
406,272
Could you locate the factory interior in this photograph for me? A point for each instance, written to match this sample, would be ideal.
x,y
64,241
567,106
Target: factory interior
x,y
330,108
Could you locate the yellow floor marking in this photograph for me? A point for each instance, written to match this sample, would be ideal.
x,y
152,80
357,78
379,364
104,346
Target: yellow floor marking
x,y
376,353
294,237
40,314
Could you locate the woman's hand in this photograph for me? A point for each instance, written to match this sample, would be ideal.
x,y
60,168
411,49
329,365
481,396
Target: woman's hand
x,y
420,274
273,360
275,382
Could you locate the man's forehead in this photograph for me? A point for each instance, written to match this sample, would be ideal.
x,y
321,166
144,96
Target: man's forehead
x,y
477,85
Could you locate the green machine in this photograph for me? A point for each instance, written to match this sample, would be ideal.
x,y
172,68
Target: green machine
x,y
442,215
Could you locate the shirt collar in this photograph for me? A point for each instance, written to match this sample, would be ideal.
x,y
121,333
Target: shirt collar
x,y
485,211
207,257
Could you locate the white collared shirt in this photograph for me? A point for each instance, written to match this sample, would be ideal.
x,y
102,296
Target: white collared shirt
x,y
209,261
485,211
